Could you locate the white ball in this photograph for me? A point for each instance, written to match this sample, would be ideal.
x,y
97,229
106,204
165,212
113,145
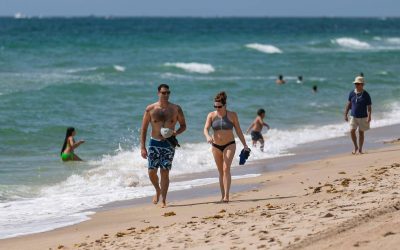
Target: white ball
x,y
166,132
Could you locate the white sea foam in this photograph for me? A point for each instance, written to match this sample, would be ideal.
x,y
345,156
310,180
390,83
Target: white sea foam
x,y
71,71
119,68
351,43
193,67
78,70
65,203
393,40
265,48
123,176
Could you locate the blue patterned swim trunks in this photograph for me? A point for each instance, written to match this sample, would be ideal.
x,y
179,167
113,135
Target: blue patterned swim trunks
x,y
160,154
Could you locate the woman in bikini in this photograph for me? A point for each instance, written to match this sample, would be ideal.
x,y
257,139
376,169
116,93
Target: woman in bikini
x,y
67,151
223,143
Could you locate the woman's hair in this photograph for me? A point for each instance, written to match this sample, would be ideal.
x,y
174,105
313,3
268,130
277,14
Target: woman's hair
x,y
69,132
221,97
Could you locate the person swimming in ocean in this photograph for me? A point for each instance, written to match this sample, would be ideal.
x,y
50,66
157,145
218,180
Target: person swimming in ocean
x,y
256,128
300,79
67,151
280,80
315,89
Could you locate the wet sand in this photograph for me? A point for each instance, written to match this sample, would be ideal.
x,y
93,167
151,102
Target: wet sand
x,y
338,202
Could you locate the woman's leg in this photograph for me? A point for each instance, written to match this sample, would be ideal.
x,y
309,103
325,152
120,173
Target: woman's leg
x,y
218,157
229,153
76,158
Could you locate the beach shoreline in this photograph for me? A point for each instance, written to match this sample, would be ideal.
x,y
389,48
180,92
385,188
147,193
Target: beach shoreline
x,y
276,188
302,153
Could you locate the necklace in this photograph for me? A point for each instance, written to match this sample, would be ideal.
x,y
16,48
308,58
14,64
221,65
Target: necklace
x,y
359,96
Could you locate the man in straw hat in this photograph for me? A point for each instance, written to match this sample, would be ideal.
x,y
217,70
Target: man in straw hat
x,y
360,104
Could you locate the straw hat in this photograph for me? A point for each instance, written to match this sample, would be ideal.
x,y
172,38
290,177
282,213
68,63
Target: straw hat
x,y
359,79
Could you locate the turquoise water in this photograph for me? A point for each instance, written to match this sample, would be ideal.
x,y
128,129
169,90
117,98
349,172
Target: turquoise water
x,y
99,74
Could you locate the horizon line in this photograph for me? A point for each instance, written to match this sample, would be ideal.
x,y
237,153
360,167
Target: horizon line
x,y
19,15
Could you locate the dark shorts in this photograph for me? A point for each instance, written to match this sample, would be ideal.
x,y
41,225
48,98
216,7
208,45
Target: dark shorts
x,y
255,136
160,154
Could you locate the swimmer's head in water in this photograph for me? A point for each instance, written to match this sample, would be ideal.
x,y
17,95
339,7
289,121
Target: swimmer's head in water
x,y
280,77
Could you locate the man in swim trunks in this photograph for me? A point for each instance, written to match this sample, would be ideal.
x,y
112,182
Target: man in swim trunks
x,y
256,128
161,114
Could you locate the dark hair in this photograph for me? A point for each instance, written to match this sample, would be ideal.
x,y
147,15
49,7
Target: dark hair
x,y
260,111
280,77
162,85
69,132
221,97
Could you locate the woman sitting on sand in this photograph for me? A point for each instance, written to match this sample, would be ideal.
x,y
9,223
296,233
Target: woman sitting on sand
x,y
67,151
223,143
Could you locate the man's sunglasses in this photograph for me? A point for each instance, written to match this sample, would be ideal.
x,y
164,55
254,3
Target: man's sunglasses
x,y
218,107
357,83
165,92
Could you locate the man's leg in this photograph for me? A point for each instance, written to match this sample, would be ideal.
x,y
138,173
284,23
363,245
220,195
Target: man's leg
x,y
164,185
354,139
361,140
154,180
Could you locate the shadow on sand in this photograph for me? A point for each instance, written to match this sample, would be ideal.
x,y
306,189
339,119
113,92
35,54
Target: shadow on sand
x,y
232,201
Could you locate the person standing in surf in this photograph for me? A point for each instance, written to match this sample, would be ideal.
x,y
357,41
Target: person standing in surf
x,y
223,142
256,128
163,116
359,102
67,150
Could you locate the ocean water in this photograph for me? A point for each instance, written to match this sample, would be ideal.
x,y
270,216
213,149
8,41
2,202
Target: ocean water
x,y
98,75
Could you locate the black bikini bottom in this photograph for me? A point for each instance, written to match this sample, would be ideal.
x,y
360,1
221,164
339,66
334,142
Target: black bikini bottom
x,y
223,147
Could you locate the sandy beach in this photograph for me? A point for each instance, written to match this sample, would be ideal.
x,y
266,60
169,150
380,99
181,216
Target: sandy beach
x,y
338,202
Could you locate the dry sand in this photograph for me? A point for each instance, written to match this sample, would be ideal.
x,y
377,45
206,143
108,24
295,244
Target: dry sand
x,y
342,202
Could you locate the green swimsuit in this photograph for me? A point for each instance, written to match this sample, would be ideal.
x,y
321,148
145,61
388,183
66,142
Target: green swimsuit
x,y
67,156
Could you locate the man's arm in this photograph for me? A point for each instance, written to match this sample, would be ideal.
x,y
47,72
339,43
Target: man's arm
x,y
143,132
346,110
369,110
181,120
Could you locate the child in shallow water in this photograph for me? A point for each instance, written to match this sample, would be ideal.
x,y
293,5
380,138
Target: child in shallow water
x,y
67,151
256,128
